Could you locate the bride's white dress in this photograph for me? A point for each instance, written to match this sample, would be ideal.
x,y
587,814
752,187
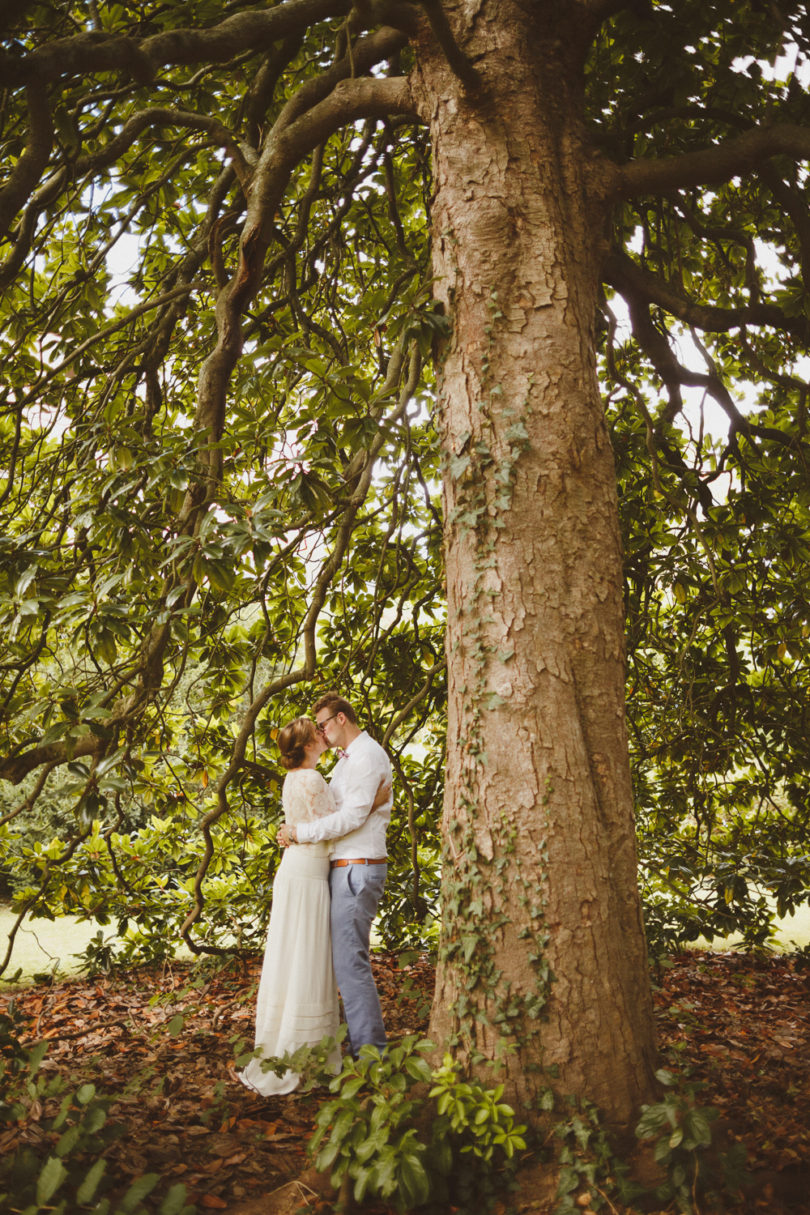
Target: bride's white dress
x,y
297,1004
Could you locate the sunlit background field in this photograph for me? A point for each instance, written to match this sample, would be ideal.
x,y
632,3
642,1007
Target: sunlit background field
x,y
42,945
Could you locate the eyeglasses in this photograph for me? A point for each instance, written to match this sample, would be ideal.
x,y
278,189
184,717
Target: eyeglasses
x,y
319,725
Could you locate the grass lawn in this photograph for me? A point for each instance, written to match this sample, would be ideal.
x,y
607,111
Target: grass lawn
x,y
42,946
792,932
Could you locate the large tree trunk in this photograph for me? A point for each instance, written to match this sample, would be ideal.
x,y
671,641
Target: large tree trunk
x,y
543,961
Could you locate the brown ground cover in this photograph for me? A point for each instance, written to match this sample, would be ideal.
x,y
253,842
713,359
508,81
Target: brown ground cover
x,y
165,1039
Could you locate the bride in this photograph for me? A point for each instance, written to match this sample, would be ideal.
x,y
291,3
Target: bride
x,y
297,1004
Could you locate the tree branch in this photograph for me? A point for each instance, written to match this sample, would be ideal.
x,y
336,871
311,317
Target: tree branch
x,y
737,156
30,166
16,767
366,52
627,277
86,54
348,102
672,372
160,116
32,797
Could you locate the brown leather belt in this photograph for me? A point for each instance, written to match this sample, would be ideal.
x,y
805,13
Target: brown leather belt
x,y
383,860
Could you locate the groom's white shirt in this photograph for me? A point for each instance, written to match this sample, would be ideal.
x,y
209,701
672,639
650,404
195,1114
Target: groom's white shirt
x,y
354,782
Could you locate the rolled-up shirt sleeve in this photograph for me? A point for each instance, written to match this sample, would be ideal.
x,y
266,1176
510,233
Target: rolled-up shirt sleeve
x,y
359,786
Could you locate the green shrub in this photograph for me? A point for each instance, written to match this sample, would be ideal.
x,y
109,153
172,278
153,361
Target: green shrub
x,y
681,1132
585,1159
403,1132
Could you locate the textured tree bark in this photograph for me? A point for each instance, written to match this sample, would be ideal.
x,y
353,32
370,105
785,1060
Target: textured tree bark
x,y
543,960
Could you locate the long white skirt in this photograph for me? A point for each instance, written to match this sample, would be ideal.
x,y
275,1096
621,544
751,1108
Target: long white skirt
x,y
297,1004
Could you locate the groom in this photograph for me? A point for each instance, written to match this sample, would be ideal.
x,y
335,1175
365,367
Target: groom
x,y
358,859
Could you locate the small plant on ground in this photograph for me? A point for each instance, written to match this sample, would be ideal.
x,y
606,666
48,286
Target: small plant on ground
x,y
681,1132
312,1063
588,1170
400,1131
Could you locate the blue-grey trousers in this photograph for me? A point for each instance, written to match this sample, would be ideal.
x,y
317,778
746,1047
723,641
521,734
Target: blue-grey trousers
x,y
356,892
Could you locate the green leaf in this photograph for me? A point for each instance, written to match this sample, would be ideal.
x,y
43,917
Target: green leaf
x,y
175,1201
67,1141
87,1190
139,1190
51,1176
414,1181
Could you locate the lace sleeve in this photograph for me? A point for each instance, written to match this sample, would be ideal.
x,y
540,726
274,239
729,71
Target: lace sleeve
x,y
306,797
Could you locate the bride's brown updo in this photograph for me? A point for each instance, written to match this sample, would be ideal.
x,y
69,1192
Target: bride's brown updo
x,y
294,738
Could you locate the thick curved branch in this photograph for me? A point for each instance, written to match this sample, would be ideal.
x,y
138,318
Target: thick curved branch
x,y
86,54
365,54
621,272
163,116
737,156
350,101
24,235
262,90
637,288
16,767
31,165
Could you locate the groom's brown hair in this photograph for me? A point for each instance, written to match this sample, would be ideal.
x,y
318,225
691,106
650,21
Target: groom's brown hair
x,y
335,703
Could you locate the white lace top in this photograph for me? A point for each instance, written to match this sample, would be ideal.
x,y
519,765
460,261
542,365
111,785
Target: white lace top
x,y
306,796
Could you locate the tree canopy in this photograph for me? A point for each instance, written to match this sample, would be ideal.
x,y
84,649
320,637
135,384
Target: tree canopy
x,y
221,460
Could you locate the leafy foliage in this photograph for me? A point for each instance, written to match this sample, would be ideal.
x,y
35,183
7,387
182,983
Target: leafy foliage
x,y
375,1131
681,1132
